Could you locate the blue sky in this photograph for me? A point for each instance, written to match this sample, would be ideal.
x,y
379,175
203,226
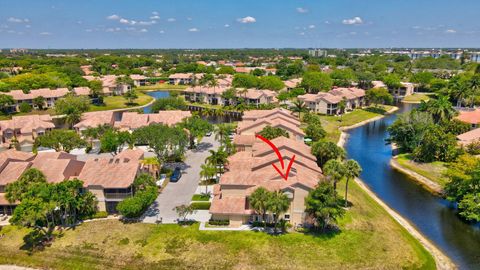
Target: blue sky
x,y
238,24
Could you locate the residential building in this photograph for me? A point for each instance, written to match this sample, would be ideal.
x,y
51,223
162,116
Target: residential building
x,y
328,102
469,137
317,53
249,170
95,119
24,129
471,117
405,89
50,96
213,95
111,179
132,120
138,80
110,85
256,97
181,78
82,91
292,83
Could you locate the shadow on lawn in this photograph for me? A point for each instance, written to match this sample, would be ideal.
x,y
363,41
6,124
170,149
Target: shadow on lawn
x,y
378,110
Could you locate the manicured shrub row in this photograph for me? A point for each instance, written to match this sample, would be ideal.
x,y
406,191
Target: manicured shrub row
x,y
135,206
219,222
200,205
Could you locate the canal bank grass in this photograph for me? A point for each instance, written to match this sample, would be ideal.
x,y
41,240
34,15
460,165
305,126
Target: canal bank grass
x,y
332,124
119,102
162,87
415,98
369,239
433,171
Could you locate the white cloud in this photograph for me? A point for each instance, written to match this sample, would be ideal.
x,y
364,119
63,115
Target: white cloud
x,y
161,32
451,31
45,33
171,19
155,12
193,30
227,25
302,33
155,17
113,17
302,10
143,30
327,22
147,23
353,21
247,19
311,26
124,21
17,20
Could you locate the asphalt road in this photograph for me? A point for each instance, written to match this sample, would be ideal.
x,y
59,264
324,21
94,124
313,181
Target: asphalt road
x,y
175,194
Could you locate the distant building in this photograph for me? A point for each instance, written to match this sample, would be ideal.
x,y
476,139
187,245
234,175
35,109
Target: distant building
x,y
317,53
328,102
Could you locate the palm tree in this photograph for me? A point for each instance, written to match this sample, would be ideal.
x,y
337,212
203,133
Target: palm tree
x,y
440,108
277,204
352,170
259,202
475,88
335,171
218,159
221,131
299,107
207,172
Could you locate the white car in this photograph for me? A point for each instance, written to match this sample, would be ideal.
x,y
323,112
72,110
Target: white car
x,y
161,180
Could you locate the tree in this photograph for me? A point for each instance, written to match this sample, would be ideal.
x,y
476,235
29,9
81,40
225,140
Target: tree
x,y
72,107
197,128
96,87
315,131
143,181
441,109
299,107
343,77
341,106
183,211
169,103
6,101
222,131
271,133
352,170
244,81
259,202
379,96
436,145
24,107
113,140
314,82
325,151
207,172
15,191
218,159
134,207
408,129
230,94
277,204
283,96
271,82
60,140
162,140
323,206
335,171
39,102
130,95
423,79
392,81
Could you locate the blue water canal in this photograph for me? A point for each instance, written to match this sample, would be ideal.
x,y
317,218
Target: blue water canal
x,y
432,216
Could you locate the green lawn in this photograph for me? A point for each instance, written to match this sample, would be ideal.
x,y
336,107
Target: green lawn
x,y
333,123
369,238
433,171
416,98
163,86
119,102
200,197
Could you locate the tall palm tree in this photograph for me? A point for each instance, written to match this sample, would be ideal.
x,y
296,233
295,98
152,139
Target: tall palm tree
x,y
277,204
299,107
218,159
221,131
475,88
207,172
258,201
440,108
352,170
335,171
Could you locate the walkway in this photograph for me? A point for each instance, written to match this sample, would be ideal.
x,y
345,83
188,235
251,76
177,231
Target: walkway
x,y
181,192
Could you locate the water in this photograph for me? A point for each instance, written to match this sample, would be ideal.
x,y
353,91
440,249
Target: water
x,y
156,95
433,217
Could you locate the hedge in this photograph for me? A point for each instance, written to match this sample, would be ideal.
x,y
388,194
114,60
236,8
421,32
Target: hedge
x,y
219,222
200,205
134,207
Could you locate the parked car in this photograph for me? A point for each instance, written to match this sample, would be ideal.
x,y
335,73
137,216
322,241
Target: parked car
x,y
176,175
208,134
161,180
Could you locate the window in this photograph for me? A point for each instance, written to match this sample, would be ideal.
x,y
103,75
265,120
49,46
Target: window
x,y
287,217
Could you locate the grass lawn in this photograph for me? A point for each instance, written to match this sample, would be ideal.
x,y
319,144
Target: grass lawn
x,y
416,98
200,197
369,238
433,171
118,102
332,124
163,86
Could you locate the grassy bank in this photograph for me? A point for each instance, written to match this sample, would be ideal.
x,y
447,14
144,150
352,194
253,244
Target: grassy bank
x,y
416,98
119,102
433,171
369,238
333,123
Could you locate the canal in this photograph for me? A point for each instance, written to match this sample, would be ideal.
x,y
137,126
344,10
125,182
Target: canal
x,y
431,215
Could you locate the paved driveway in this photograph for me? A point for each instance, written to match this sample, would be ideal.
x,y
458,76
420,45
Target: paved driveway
x,y
181,192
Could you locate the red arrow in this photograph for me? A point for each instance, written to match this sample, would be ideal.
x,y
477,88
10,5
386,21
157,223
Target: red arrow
x,y
280,158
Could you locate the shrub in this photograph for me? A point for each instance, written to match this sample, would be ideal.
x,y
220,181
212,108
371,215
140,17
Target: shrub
x,y
200,205
225,222
24,107
134,207
100,214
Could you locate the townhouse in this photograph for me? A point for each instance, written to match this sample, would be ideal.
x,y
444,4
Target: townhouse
x,y
471,117
49,95
249,170
214,96
328,102
95,119
181,78
405,88
24,129
138,80
110,85
469,137
292,83
133,120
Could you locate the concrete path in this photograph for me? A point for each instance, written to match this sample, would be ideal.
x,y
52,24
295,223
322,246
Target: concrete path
x,y
202,227
175,194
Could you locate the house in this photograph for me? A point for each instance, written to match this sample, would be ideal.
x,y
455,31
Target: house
x,y
50,96
82,91
111,179
24,128
110,85
249,170
405,89
256,97
56,166
469,137
292,83
95,119
138,80
181,78
470,117
328,102
210,95
132,120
